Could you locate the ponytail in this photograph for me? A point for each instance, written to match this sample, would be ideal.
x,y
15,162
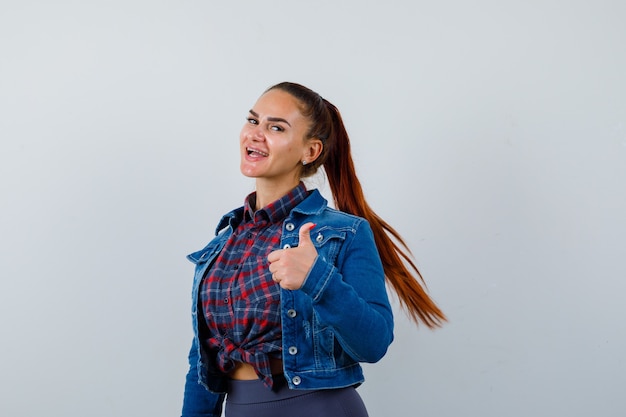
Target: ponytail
x,y
400,270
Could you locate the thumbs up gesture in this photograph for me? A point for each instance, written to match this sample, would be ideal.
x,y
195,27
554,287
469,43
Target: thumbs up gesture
x,y
289,267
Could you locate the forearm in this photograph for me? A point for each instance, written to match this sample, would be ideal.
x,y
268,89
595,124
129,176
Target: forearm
x,y
353,298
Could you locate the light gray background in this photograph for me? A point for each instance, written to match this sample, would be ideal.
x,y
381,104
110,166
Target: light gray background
x,y
490,133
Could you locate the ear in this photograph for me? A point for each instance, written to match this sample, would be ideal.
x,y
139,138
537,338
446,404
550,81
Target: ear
x,y
312,150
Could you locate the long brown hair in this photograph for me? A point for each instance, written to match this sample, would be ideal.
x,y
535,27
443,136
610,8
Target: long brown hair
x,y
336,158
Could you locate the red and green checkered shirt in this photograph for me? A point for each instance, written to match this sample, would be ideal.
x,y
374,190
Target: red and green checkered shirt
x,y
240,301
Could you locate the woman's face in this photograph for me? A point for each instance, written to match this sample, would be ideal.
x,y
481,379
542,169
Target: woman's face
x,y
272,140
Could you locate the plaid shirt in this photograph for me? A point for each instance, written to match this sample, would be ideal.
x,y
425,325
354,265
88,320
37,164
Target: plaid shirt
x,y
240,301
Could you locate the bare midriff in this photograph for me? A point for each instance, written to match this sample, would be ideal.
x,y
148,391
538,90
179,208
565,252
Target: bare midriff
x,y
246,372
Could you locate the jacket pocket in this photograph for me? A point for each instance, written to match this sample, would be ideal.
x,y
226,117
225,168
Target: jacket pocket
x,y
328,242
324,344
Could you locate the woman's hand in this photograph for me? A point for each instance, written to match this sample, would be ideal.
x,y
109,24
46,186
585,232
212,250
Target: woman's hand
x,y
290,267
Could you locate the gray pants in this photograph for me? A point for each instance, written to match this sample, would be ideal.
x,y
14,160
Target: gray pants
x,y
254,399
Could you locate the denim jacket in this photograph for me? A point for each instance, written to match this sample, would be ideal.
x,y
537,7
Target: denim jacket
x,y
339,317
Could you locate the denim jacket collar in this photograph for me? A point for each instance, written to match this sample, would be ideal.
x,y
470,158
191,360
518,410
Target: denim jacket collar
x,y
312,205
231,219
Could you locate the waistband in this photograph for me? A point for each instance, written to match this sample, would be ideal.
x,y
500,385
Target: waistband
x,y
255,391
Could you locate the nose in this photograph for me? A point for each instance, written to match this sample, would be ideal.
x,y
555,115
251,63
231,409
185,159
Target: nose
x,y
256,133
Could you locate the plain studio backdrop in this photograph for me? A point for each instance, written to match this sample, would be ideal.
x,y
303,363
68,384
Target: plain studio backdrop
x,y
491,134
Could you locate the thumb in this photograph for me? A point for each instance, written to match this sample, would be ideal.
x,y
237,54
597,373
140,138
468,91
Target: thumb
x,y
304,235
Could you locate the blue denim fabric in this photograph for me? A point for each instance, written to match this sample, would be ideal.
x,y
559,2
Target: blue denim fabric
x,y
341,316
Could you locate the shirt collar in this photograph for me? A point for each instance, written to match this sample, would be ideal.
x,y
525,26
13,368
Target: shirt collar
x,y
276,211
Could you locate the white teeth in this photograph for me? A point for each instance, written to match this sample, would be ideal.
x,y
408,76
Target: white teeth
x,y
252,150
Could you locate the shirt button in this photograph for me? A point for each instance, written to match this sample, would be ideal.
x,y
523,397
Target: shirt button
x,y
287,246
290,227
296,380
293,350
225,300
292,313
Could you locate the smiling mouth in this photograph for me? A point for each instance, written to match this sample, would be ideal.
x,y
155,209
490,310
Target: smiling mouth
x,y
252,151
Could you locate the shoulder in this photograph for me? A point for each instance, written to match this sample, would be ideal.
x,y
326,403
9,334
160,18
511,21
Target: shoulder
x,y
342,219
315,209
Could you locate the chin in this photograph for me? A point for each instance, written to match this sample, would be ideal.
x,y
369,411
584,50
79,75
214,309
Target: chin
x,y
247,173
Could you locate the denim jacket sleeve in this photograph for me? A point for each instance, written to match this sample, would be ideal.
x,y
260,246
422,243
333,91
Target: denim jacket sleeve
x,y
198,401
351,296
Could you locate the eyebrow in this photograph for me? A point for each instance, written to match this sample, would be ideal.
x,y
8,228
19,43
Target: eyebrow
x,y
271,119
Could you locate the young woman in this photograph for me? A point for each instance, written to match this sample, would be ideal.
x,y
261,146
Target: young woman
x,y
290,296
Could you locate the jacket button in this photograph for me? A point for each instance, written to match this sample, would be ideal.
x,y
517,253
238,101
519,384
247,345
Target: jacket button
x,y
287,246
292,313
290,227
293,350
319,238
296,380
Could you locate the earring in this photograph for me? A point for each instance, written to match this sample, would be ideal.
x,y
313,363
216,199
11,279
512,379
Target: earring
x,y
304,162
